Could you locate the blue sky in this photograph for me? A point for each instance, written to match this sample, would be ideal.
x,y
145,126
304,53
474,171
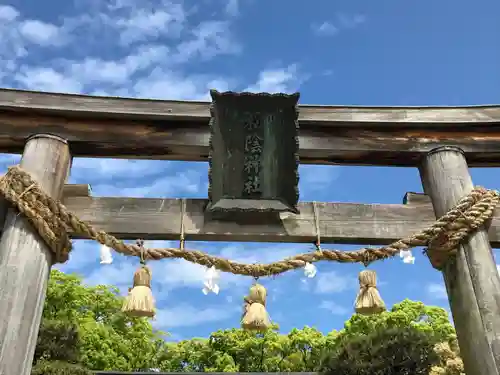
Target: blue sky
x,y
341,52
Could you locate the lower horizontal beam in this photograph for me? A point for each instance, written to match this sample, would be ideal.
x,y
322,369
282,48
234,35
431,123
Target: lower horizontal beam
x,y
343,223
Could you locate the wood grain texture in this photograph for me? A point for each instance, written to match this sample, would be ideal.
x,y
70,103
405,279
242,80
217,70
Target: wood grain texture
x,y
199,111
471,278
25,260
76,190
173,130
348,223
416,198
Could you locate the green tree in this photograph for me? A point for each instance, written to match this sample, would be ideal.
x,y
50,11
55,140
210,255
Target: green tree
x,y
431,320
57,341
392,351
59,368
56,352
236,350
108,339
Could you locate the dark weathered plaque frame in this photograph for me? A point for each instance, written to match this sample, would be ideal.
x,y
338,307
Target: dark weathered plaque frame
x,y
279,176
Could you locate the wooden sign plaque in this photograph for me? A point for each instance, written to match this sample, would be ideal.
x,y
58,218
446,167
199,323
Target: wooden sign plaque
x,y
253,152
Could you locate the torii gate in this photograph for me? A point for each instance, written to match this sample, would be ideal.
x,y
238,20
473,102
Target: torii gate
x,y
49,129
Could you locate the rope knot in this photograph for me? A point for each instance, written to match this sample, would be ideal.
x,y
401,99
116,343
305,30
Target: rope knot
x,y
440,248
42,212
470,213
368,255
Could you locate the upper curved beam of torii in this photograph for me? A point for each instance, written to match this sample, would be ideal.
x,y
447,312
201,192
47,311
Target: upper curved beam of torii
x,y
178,130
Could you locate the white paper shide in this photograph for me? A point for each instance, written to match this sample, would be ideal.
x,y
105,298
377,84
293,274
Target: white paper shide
x,y
212,277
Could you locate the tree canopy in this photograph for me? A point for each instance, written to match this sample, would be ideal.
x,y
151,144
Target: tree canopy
x,y
107,339
392,351
84,325
236,350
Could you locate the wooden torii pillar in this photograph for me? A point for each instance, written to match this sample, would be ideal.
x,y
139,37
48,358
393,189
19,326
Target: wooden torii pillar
x,y
25,259
471,278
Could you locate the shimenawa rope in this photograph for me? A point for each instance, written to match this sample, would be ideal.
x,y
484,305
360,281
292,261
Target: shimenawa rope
x,y
53,221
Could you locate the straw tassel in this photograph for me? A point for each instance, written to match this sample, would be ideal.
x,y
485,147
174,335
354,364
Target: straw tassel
x,y
368,300
255,317
140,301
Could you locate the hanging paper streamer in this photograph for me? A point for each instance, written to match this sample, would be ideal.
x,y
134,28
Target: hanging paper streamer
x,y
255,317
368,300
310,270
105,255
407,256
211,281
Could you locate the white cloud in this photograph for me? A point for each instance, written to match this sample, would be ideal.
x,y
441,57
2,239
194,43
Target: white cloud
x,y
17,35
8,13
314,178
112,169
162,83
186,315
277,80
325,28
350,21
117,71
156,45
175,273
232,7
141,62
341,22
141,178
41,33
209,39
145,23
13,45
333,282
333,307
120,273
84,253
187,183
437,291
129,21
47,79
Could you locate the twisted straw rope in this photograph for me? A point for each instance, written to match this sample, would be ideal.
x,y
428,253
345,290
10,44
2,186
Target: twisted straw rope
x,y
52,220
